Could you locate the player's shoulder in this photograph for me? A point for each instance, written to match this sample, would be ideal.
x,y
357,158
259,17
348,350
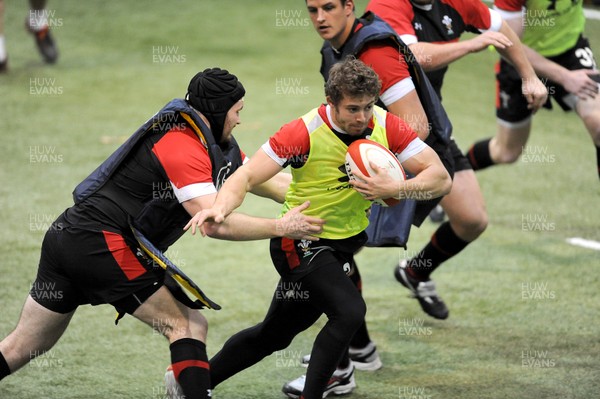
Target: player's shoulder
x,y
464,7
510,5
294,133
385,7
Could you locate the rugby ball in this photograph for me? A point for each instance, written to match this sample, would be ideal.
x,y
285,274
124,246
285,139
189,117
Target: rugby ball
x,y
362,152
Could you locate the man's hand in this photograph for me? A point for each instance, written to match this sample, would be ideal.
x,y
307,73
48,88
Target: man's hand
x,y
379,186
580,83
535,93
297,226
488,38
210,214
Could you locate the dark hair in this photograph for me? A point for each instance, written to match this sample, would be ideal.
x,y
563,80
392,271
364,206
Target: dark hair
x,y
341,1
351,78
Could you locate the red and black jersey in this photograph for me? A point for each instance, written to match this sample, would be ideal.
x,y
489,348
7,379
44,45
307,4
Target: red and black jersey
x,y
169,160
442,21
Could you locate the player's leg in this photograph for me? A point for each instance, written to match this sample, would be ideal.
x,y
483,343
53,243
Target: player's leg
x,y
507,146
466,209
37,331
589,112
52,300
362,351
288,315
3,53
467,216
331,291
186,331
37,23
514,123
588,109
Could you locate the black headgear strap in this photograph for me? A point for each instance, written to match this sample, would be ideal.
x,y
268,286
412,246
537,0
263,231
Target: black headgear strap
x,y
213,92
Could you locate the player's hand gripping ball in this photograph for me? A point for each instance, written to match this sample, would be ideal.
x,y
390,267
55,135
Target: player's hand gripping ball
x,y
358,157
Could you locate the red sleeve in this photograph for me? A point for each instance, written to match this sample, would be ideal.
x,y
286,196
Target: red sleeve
x,y
509,5
473,12
183,157
398,13
291,140
399,133
386,62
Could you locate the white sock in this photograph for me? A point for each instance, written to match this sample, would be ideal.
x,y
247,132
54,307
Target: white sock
x,y
38,19
2,49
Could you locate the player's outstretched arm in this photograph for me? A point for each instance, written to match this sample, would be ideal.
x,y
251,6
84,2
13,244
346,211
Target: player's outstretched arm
x,y
434,56
241,227
577,82
218,221
532,87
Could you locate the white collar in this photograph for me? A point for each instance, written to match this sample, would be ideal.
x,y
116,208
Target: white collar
x,y
424,7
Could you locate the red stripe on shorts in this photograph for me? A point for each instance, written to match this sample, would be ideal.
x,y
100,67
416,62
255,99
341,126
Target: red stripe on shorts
x,y
287,245
184,364
123,255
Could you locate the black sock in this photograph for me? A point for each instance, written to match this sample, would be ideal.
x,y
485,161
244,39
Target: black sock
x,y
479,155
190,365
443,245
598,159
4,369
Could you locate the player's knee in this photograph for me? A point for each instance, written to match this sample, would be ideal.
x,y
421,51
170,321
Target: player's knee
x,y
470,226
175,328
198,326
354,316
267,340
480,223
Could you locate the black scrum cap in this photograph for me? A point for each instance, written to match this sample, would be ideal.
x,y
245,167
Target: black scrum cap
x,y
213,92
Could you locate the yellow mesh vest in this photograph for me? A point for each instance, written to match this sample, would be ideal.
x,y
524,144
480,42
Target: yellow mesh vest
x,y
322,180
553,26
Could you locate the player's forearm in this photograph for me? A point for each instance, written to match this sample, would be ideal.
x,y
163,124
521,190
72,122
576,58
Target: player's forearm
x,y
432,182
516,54
433,56
232,193
241,227
546,68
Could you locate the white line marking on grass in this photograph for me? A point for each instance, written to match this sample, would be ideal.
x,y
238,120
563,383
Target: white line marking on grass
x,y
591,14
582,242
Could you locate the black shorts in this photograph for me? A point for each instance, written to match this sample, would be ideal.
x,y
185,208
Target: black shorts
x,y
294,259
460,160
92,266
511,105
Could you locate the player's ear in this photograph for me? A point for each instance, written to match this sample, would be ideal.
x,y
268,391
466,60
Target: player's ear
x,y
349,6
